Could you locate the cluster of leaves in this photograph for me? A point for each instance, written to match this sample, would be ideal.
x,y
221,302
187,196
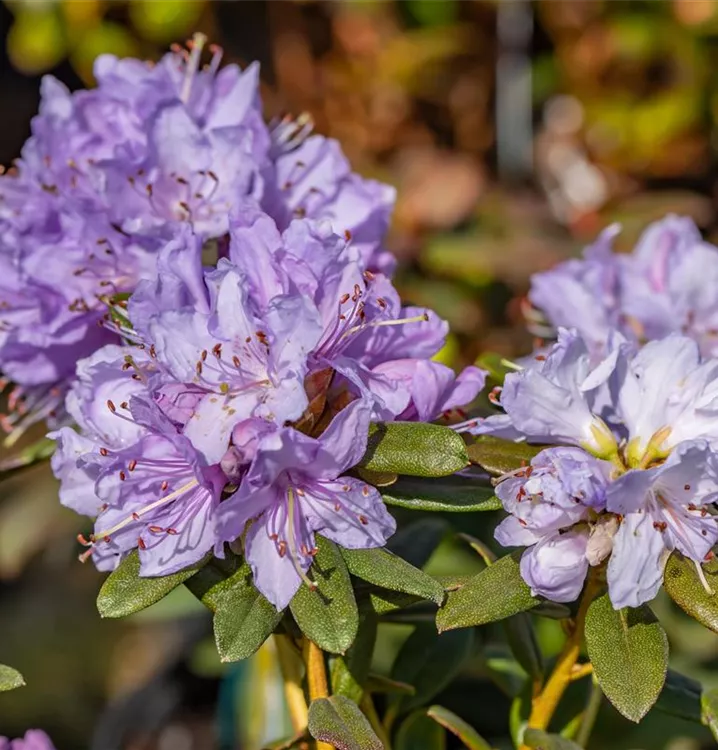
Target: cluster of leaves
x,y
356,591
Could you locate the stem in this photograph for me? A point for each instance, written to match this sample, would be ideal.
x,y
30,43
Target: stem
x,y
547,700
590,714
292,676
390,717
316,679
367,706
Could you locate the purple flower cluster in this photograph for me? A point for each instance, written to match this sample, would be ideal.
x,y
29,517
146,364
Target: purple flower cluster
x,y
640,478
242,397
665,286
110,175
34,739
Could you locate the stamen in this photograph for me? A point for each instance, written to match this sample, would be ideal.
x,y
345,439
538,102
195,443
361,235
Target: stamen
x,y
702,578
378,324
293,542
144,511
198,42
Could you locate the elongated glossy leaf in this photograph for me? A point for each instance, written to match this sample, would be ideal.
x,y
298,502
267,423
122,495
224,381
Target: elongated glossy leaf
x,y
429,661
493,594
481,548
384,601
496,456
328,615
379,684
524,646
414,448
545,741
243,618
417,541
124,592
446,494
209,583
682,584
338,721
350,672
456,725
419,732
681,697
382,568
629,652
378,479
709,711
10,678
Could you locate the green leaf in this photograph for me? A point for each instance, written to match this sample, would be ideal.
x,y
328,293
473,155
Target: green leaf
x,y
419,732
383,601
523,643
544,741
429,662
496,456
417,541
682,584
629,652
377,683
338,721
10,678
456,725
328,615
519,629
709,711
494,594
414,448
447,494
209,583
681,697
243,618
382,568
124,592
350,672
481,548
295,742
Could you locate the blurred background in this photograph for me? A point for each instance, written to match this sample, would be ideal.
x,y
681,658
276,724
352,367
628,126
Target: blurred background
x,y
514,131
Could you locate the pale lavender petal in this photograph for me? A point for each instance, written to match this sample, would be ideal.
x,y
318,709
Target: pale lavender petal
x,y
556,567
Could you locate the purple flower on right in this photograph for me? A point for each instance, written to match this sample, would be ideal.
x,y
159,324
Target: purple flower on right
x,y
666,285
641,480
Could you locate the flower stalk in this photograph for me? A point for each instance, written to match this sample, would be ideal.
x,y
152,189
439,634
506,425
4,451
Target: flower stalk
x,y
545,703
316,679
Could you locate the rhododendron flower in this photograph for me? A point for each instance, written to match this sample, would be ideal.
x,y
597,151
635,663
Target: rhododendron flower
x,y
295,488
659,435
665,286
